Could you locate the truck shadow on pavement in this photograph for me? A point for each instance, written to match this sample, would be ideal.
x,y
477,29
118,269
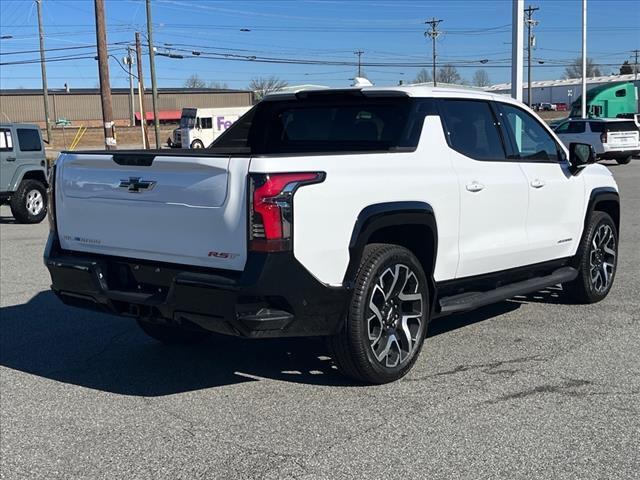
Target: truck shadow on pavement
x,y
103,352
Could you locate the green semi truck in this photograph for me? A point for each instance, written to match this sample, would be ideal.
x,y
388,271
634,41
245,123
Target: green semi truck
x,y
608,101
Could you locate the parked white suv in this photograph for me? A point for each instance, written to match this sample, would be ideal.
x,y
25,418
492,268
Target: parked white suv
x,y
358,214
612,138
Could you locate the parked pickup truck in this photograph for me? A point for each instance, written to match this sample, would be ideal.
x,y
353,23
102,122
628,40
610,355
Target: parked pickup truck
x,y
358,215
23,172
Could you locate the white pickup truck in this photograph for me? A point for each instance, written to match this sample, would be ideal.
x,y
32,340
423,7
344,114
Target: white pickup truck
x,y
357,214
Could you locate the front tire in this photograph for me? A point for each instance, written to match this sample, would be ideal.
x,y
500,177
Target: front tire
x,y
172,335
29,202
624,160
387,319
597,260
197,144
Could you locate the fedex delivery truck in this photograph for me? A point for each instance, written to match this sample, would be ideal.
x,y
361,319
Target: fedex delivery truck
x,y
201,126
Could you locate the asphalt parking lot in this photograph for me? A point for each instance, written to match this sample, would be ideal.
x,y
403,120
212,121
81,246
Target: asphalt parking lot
x,y
528,388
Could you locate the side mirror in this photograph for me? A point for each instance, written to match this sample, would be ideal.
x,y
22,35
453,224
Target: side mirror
x,y
581,155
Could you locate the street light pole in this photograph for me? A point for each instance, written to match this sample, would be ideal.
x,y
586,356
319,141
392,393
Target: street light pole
x,y
517,24
152,66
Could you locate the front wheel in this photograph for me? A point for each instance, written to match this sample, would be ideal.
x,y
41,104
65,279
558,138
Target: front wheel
x,y
29,202
197,144
597,259
624,160
387,319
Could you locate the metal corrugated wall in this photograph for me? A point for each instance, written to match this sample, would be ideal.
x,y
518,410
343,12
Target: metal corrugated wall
x,y
29,108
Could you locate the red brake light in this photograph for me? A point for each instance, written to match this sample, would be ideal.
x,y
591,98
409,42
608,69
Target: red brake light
x,y
271,208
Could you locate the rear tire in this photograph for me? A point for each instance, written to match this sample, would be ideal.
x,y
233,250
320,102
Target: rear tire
x,y
172,335
597,260
29,202
387,318
624,161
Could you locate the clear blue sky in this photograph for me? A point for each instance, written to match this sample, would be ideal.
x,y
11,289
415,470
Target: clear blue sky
x,y
387,31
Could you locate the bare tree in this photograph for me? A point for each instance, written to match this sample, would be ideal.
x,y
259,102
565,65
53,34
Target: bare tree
x,y
218,85
626,68
481,78
423,76
449,74
575,69
263,85
194,81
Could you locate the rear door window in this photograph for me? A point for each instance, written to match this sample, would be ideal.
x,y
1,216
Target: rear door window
x,y
596,127
472,129
29,140
576,127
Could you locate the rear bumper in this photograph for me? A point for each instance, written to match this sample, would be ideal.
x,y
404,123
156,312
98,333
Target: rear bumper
x,y
611,154
275,296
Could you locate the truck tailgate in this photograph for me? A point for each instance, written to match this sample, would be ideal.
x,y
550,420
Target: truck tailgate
x,y
187,209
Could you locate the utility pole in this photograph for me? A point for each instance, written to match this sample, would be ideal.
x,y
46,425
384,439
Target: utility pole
x,y
433,34
128,60
43,68
359,54
517,24
143,116
152,66
103,71
635,65
530,39
584,59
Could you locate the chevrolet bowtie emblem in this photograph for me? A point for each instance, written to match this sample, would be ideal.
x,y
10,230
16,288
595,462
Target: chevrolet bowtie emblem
x,y
136,184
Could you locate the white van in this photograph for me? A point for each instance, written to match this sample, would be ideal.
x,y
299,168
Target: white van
x,y
201,126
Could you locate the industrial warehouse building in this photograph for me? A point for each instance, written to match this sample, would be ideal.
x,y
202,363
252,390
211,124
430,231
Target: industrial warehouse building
x,y
83,107
561,91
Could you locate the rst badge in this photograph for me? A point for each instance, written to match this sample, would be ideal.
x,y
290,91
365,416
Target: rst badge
x,y
223,255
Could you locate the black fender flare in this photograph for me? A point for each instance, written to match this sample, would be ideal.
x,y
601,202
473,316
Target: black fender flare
x,y
602,194
382,215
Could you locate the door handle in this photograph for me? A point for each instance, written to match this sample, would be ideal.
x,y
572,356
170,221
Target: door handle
x,y
537,183
11,159
475,186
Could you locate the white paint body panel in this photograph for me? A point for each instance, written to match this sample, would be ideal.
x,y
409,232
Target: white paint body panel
x,y
197,206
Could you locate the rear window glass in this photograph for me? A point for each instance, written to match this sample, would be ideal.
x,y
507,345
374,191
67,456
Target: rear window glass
x,y
329,123
472,129
596,127
29,140
621,126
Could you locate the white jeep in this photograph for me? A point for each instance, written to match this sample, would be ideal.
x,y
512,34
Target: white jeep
x,y
358,214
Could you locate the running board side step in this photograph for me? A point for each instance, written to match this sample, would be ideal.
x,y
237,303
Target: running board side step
x,y
472,300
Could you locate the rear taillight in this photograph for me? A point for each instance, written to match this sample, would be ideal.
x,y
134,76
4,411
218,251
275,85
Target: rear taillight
x,y
603,137
271,208
51,199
